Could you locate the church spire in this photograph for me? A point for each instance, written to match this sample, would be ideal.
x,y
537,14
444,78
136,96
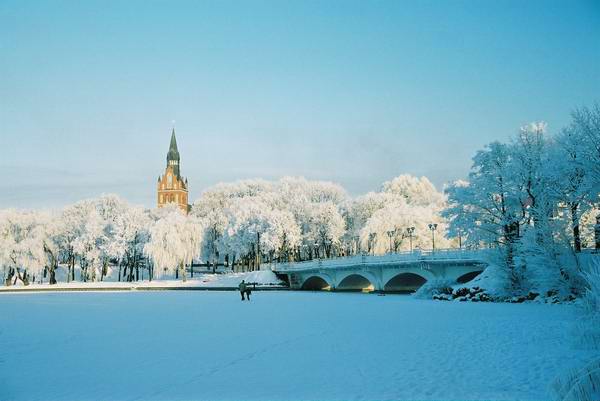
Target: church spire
x,y
171,186
173,154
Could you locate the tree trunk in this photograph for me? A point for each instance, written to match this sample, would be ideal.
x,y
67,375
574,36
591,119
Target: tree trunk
x,y
52,271
182,266
258,254
575,225
9,276
511,233
22,277
597,232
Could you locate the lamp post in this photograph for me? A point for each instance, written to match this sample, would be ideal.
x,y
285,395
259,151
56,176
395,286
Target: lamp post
x,y
433,227
317,249
305,249
390,234
258,255
371,241
410,231
459,239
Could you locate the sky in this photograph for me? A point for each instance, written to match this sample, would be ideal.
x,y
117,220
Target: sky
x,y
355,92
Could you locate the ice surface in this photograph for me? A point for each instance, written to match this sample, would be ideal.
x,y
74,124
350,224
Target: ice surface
x,y
283,345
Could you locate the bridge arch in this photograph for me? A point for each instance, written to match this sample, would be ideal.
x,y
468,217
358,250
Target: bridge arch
x,y
356,282
316,282
404,282
465,278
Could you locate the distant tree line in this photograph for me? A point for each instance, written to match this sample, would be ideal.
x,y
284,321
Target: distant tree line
x,y
534,199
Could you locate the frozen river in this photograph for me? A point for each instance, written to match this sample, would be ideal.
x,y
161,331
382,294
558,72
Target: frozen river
x,y
282,345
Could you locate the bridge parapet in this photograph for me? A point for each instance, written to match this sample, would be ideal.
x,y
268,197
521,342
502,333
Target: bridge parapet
x,y
464,255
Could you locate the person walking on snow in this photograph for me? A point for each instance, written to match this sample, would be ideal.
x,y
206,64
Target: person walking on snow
x,y
242,288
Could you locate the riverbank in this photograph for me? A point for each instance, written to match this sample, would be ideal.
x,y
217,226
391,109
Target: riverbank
x,y
260,281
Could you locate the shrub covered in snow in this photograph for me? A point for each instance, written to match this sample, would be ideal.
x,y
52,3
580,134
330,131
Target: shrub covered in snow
x,y
583,383
434,288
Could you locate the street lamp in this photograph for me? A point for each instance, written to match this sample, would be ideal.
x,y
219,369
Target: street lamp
x,y
390,234
327,245
371,241
305,249
410,231
432,227
317,249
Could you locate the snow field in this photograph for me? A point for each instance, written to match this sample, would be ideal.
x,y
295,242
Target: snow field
x,y
280,346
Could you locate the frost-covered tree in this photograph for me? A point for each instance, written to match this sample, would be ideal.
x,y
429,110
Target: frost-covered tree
x,y
566,181
415,191
71,226
22,238
305,200
585,127
174,241
325,227
390,226
51,244
251,220
490,207
404,203
211,209
87,244
255,229
128,234
581,163
528,197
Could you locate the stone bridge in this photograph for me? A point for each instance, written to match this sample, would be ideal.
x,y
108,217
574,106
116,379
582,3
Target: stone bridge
x,y
396,272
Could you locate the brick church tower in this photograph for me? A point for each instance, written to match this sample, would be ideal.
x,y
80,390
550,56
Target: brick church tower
x,y
172,187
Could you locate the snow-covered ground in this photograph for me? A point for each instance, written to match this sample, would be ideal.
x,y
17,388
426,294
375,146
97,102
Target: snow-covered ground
x,y
191,345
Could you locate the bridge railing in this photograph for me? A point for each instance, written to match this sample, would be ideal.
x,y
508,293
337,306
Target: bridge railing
x,y
400,257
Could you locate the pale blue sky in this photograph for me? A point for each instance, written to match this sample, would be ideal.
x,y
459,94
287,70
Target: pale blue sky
x,y
354,92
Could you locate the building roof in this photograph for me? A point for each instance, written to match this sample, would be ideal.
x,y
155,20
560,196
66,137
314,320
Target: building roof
x,y
173,153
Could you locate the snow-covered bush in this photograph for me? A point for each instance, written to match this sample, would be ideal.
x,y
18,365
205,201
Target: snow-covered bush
x,y
434,287
583,383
